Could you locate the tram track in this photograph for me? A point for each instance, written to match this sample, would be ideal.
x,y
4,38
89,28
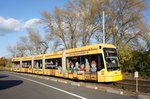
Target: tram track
x,y
130,84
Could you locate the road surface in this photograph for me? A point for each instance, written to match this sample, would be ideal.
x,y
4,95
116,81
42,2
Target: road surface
x,y
17,86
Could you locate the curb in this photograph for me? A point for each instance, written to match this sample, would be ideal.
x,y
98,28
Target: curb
x,y
75,84
46,78
65,82
92,87
114,91
54,79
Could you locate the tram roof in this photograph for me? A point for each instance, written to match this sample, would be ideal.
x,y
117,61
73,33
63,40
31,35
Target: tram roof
x,y
26,58
84,50
16,59
87,50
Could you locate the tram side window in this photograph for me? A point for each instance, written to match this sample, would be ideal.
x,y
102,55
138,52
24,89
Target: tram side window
x,y
70,65
38,64
76,64
53,63
87,63
96,62
26,64
100,62
16,64
93,63
29,64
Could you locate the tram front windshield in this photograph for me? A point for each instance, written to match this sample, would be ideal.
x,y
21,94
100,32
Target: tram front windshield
x,y
111,58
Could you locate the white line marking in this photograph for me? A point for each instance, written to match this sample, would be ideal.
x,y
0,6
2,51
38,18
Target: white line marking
x,y
50,87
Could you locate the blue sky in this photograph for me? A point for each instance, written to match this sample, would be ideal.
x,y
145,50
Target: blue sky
x,y
21,13
16,15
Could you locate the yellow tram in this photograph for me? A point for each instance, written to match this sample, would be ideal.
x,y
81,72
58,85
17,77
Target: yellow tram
x,y
97,62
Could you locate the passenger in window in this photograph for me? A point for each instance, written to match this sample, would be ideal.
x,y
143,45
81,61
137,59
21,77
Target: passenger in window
x,y
40,66
87,66
56,64
68,67
59,69
93,66
76,68
72,68
82,67
36,65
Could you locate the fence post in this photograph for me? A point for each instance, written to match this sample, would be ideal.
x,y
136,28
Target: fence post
x,y
136,75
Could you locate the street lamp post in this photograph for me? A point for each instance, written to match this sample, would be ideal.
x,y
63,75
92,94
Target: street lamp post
x,y
103,27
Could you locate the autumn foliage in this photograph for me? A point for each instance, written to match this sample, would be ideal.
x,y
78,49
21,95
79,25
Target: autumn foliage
x,y
4,62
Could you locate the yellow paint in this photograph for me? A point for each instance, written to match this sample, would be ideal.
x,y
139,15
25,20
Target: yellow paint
x,y
38,57
46,71
111,76
27,58
16,59
81,76
53,55
94,77
29,70
56,72
70,75
75,75
38,71
18,69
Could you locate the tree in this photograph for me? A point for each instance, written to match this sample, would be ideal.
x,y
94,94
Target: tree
x,y
86,19
124,22
35,39
62,25
4,62
12,50
125,56
27,45
71,25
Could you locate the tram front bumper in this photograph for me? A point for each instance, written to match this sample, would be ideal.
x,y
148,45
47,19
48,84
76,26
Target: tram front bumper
x,y
113,78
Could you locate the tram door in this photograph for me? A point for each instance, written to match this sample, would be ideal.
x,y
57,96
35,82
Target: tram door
x,y
92,65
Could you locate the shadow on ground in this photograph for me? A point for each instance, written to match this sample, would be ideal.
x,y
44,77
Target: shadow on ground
x,y
5,84
3,76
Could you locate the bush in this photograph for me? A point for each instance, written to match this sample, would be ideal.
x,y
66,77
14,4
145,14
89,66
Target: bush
x,y
132,61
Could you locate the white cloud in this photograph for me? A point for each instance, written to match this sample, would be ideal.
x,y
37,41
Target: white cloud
x,y
32,23
11,25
